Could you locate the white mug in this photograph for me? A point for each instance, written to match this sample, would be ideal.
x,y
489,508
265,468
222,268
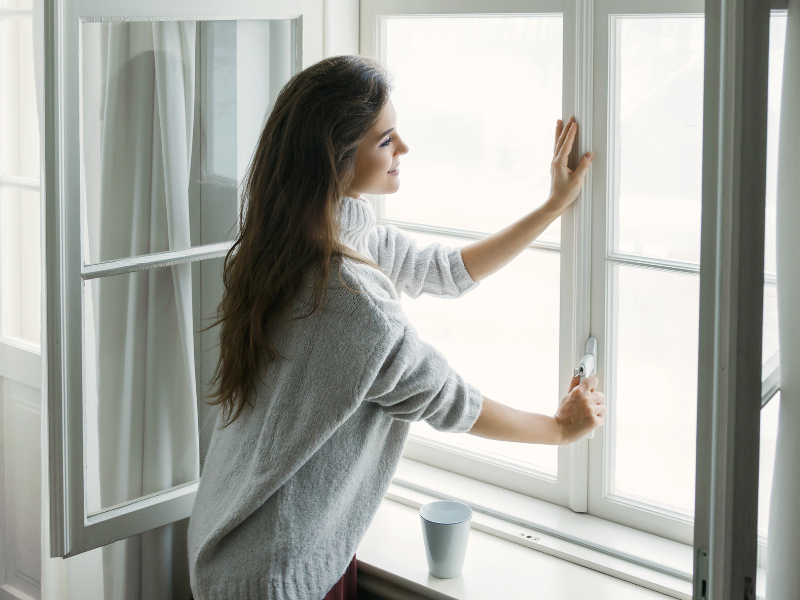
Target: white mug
x,y
445,527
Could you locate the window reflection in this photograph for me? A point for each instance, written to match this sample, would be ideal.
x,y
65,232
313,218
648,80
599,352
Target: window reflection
x,y
171,114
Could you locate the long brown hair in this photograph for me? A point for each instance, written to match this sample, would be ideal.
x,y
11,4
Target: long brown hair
x,y
301,168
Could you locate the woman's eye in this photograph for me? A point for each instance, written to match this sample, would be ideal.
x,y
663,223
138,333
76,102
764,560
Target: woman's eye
x,y
387,142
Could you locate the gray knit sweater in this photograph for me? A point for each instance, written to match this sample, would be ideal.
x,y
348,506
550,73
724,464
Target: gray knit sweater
x,y
289,489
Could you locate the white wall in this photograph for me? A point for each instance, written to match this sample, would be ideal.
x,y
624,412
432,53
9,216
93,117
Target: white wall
x,y
341,27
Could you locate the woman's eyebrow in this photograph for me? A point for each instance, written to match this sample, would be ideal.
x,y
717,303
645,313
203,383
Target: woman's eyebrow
x,y
388,131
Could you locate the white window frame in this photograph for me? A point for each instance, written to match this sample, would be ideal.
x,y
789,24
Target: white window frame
x,y
663,521
585,249
570,488
731,292
73,530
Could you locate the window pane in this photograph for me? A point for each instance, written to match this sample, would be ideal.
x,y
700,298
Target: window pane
x,y
477,101
20,252
19,123
777,41
766,466
502,337
654,404
141,338
172,112
656,171
766,460
769,345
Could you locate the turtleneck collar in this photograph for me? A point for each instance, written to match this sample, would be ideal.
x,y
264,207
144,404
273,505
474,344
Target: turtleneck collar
x,y
356,219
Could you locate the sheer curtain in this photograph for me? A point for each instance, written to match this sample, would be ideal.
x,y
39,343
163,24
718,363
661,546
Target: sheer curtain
x,y
140,368
783,576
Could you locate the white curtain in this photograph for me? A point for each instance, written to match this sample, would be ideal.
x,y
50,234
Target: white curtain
x,y
783,571
140,378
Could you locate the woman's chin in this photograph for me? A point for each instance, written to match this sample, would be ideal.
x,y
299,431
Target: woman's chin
x,y
390,187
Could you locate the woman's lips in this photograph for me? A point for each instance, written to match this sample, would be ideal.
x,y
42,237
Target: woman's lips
x,y
395,172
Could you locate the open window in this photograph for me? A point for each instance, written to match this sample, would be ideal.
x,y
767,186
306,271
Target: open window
x,y
155,118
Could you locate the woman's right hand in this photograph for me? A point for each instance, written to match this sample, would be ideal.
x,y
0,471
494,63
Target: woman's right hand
x,y
566,184
581,410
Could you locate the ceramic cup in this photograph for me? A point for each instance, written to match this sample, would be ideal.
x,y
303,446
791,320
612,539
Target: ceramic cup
x,y
445,527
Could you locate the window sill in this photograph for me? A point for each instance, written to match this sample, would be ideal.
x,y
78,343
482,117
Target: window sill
x,y
570,555
21,362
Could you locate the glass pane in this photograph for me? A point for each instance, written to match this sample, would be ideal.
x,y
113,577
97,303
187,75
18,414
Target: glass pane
x,y
477,101
766,460
656,170
777,41
766,466
21,269
502,337
19,122
769,338
654,403
141,340
171,115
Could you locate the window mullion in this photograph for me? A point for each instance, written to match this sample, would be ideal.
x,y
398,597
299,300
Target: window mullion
x,y
646,262
15,12
23,183
576,234
154,261
460,233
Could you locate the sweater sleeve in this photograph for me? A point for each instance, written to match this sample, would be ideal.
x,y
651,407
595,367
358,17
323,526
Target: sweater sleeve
x,y
414,382
434,269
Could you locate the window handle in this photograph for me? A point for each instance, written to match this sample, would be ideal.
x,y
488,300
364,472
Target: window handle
x,y
588,365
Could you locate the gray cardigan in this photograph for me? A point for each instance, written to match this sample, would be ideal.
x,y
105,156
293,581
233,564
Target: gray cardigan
x,y
289,489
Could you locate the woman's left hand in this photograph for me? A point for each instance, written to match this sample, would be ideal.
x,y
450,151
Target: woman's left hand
x,y
580,411
566,184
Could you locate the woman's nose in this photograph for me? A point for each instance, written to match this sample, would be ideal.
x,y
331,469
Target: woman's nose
x,y
402,148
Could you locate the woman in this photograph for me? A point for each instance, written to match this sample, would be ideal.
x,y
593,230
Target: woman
x,y
320,373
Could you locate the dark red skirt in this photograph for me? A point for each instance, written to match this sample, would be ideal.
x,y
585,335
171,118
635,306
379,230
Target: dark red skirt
x,y
345,588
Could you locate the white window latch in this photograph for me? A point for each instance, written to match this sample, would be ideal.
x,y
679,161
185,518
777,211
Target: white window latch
x,y
588,365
